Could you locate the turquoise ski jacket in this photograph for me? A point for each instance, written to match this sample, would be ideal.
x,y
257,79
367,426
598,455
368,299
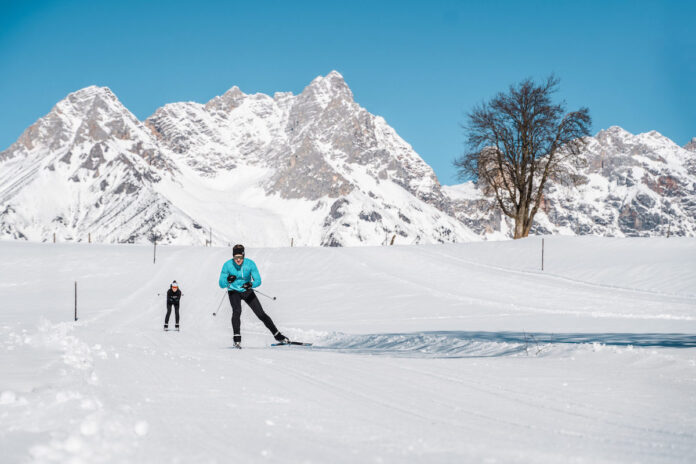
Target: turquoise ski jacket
x,y
247,272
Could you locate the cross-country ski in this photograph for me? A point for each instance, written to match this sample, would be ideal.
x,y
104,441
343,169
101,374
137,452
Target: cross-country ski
x,y
291,343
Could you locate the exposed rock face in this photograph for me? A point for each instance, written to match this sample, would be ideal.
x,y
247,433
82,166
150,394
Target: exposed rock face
x,y
691,146
633,185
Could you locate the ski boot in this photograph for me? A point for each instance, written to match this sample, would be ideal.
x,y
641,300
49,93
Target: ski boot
x,y
166,327
238,345
177,327
280,338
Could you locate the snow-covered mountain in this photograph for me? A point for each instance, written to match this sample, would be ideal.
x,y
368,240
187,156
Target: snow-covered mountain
x,y
88,167
632,185
310,169
314,168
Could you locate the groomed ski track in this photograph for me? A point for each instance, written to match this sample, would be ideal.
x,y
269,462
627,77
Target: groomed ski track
x,y
425,354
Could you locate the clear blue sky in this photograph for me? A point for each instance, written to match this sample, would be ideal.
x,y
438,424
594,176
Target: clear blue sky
x,y
420,65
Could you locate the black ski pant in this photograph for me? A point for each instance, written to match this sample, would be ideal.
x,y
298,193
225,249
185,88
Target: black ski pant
x,y
253,301
169,312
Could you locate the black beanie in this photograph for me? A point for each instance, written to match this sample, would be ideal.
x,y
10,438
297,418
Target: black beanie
x,y
238,250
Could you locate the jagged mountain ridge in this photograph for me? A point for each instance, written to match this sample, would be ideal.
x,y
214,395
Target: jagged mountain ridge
x,y
632,185
315,168
322,128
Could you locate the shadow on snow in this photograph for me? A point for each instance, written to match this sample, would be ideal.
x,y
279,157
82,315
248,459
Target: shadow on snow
x,y
461,344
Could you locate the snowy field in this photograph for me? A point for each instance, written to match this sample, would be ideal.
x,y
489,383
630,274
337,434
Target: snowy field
x,y
425,354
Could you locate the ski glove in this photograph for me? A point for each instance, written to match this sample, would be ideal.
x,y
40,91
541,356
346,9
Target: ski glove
x,y
231,278
247,286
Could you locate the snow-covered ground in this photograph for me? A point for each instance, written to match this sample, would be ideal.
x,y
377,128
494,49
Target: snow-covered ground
x,y
442,353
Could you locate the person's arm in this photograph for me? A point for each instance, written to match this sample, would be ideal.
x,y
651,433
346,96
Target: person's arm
x,y
222,282
255,276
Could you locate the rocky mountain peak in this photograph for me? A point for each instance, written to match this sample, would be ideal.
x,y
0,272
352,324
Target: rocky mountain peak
x,y
227,101
613,135
89,101
324,89
90,92
81,115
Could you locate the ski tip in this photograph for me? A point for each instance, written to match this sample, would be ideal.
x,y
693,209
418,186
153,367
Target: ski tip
x,y
291,343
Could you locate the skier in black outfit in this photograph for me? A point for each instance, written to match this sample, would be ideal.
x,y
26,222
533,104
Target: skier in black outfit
x,y
239,276
173,297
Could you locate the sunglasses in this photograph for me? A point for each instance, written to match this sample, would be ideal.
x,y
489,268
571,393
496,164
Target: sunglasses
x,y
238,256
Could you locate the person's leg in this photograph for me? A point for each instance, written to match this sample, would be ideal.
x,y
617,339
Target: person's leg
x,y
169,312
236,302
176,313
255,305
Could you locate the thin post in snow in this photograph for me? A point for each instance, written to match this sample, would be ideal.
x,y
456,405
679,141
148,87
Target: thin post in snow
x,y
89,237
542,254
76,300
54,237
210,241
154,251
292,242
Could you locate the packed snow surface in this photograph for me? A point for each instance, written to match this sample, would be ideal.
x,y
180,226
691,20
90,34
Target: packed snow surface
x,y
429,354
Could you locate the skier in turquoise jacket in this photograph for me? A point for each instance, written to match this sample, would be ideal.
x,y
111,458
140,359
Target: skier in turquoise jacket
x,y
240,276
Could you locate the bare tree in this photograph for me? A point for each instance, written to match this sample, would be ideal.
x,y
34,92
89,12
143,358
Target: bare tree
x,y
518,141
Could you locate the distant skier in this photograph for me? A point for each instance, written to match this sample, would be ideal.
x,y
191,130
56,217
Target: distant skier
x,y
173,297
239,276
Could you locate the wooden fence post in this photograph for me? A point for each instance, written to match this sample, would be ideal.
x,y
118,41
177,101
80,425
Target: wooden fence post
x,y
542,254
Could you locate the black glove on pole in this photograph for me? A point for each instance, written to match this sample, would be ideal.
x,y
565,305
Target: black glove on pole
x,y
231,278
246,286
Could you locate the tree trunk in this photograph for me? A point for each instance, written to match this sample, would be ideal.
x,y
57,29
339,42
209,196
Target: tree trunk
x,y
519,225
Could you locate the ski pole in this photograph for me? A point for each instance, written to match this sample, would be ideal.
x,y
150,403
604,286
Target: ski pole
x,y
267,296
218,308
